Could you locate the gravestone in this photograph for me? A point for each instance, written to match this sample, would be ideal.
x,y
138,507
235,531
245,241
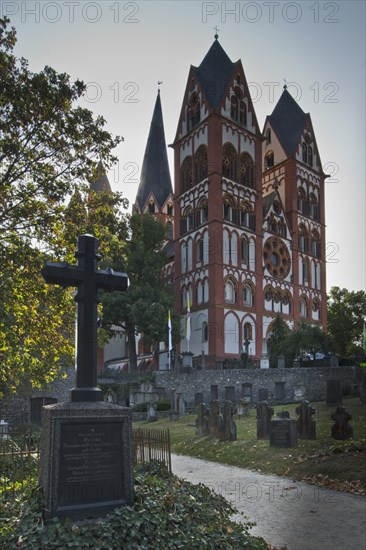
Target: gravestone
x,y
213,421
334,393
198,398
181,406
174,407
214,393
281,362
263,394
306,426
151,413
230,393
341,429
283,433
201,420
264,415
299,392
246,391
86,450
228,425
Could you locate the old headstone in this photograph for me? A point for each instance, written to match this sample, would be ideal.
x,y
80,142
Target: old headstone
x,y
213,421
174,400
198,398
263,394
181,406
283,433
334,393
230,393
214,392
264,415
246,392
341,429
201,420
306,426
151,412
299,392
228,425
86,451
281,362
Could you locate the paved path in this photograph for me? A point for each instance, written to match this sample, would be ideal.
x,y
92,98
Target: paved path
x,y
292,514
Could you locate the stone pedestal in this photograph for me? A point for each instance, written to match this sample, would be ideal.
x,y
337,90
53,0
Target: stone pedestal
x,y
283,433
264,362
86,459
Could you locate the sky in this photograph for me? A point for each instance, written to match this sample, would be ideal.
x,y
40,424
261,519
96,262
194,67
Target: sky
x,y
121,49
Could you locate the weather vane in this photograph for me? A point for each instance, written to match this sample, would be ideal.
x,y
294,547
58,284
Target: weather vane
x,y
285,85
216,31
159,82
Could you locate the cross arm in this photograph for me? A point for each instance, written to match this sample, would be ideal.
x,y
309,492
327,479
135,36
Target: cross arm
x,y
111,280
62,274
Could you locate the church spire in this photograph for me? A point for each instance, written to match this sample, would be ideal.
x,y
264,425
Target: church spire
x,y
155,174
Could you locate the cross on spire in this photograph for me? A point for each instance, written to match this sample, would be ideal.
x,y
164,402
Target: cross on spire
x,y
216,32
88,279
285,84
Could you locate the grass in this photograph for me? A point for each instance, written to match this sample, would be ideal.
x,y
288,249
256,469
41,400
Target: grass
x,y
322,460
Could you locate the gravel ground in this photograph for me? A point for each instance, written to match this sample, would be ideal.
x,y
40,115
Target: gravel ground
x,y
289,514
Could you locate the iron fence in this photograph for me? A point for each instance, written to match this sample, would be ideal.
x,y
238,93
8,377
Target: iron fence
x,y
151,445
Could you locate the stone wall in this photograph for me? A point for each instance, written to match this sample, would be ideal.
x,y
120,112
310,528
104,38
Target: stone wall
x,y
17,409
280,385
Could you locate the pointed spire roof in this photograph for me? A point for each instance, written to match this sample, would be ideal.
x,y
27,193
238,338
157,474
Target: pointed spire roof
x,y
101,184
155,174
288,121
214,73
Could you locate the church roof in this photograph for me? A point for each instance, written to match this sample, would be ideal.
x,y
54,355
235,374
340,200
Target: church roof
x,y
288,122
155,175
102,183
214,73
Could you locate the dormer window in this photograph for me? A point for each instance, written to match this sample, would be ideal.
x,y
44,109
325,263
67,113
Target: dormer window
x,y
152,207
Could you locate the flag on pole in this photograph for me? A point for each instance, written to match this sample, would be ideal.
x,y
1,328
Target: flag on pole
x,y
170,345
188,323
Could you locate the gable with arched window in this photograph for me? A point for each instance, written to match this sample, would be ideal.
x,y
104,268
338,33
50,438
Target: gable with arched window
x,y
229,162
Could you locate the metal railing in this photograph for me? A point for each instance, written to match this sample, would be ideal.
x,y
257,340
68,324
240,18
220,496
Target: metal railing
x,y
152,445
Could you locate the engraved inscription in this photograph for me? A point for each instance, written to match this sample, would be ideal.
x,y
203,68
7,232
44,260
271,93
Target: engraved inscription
x,y
90,463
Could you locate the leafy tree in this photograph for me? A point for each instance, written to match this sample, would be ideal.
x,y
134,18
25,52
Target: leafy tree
x,y
279,333
307,339
346,314
49,148
144,307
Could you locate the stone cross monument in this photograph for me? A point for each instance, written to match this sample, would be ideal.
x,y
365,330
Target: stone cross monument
x,y
86,447
88,279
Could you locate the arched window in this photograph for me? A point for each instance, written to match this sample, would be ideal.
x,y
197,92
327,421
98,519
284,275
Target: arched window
x,y
205,290
304,307
199,250
247,216
183,251
247,331
152,207
269,160
199,292
301,200
244,250
194,114
201,163
170,209
186,174
268,135
247,170
230,292
204,331
305,270
268,298
315,306
313,207
228,209
315,243
203,211
243,113
248,295
310,156
229,162
304,152
303,239
286,303
234,110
